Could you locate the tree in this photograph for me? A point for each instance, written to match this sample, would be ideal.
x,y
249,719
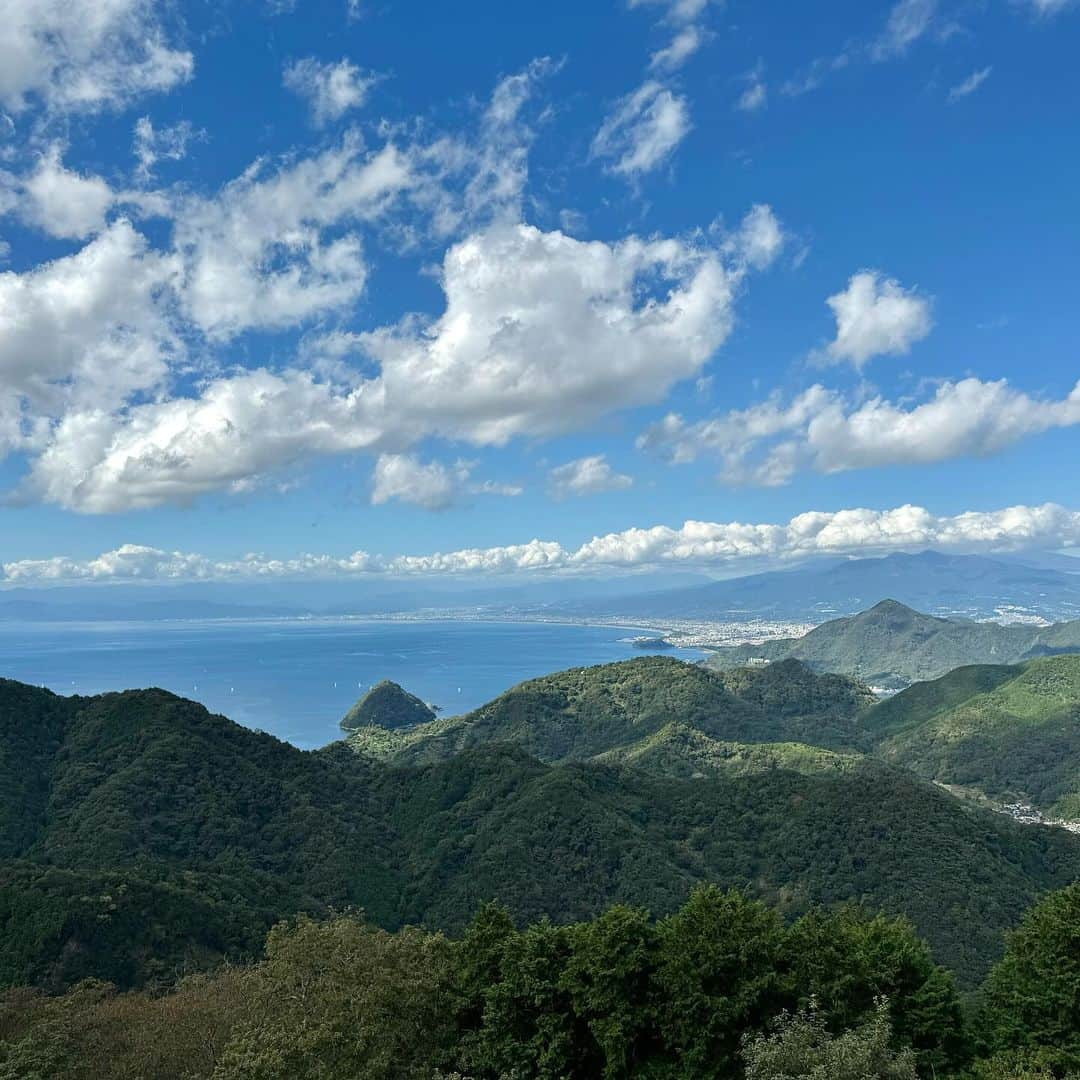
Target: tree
x,y
609,977
717,977
845,960
528,1025
801,1047
338,1000
1032,995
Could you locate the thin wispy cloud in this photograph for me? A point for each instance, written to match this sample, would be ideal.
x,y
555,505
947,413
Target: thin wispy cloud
x,y
969,85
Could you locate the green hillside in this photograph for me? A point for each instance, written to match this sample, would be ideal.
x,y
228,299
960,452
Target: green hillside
x,y
1011,733
584,712
891,644
681,750
146,836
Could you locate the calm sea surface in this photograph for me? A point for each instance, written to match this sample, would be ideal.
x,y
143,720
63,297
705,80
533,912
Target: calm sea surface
x,y
297,678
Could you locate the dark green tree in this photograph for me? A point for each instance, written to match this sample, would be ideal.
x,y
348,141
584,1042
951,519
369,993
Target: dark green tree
x,y
609,976
845,960
718,976
1032,995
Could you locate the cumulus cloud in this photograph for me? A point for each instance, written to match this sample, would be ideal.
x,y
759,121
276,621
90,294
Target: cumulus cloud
x,y
822,431
331,90
258,255
62,202
238,429
404,477
759,238
908,21
970,84
541,334
699,543
875,316
85,55
587,476
643,130
87,330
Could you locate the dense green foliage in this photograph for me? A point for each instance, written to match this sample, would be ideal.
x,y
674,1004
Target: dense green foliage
x,y
1032,996
893,645
720,988
152,838
692,995
388,706
1010,733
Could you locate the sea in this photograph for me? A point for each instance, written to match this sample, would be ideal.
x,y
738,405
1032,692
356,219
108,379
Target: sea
x,y
296,678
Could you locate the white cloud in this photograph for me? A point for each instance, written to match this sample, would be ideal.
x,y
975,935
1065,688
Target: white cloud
x,y
331,90
62,202
822,431
759,239
497,160
698,543
404,477
541,334
908,21
84,55
643,130
682,46
587,476
87,330
970,84
152,145
257,255
240,428
875,316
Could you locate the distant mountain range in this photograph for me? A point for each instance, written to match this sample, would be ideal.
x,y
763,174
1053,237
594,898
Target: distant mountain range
x,y
1036,584
892,645
969,585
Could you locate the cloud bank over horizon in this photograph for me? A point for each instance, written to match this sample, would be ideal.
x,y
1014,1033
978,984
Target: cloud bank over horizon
x,y
694,544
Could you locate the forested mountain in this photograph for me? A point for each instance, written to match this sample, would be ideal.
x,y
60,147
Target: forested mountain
x,y
144,836
892,644
1011,733
584,712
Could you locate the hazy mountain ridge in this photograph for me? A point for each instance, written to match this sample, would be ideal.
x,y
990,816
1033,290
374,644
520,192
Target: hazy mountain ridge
x,y
970,585
893,644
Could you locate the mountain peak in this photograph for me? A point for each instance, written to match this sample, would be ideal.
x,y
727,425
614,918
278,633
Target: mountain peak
x,y
889,606
387,705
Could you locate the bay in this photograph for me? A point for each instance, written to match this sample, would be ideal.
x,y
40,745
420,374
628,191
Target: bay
x,y
296,678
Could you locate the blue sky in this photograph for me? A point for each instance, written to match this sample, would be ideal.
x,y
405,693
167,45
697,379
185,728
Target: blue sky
x,y
302,289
